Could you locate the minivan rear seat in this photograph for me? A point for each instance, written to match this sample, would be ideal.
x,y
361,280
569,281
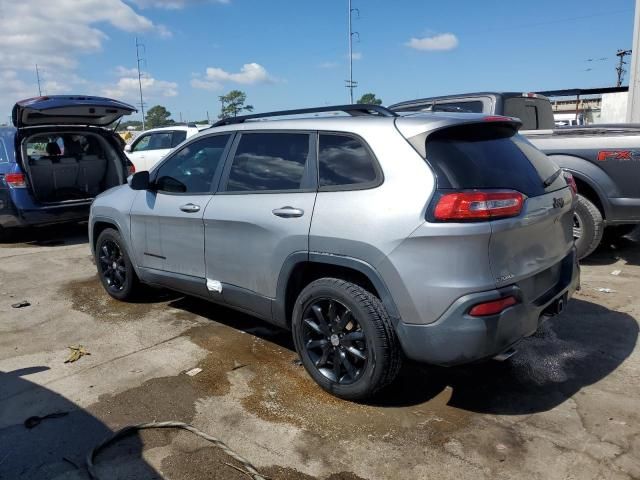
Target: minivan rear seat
x,y
42,177
65,173
91,172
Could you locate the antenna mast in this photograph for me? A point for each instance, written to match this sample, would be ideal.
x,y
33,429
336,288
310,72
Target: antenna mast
x,y
38,77
351,84
138,60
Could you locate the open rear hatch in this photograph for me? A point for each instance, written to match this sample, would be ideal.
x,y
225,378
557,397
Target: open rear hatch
x,y
66,159
68,110
496,175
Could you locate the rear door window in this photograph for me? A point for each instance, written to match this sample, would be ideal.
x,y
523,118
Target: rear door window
x,y
178,137
271,162
489,156
344,161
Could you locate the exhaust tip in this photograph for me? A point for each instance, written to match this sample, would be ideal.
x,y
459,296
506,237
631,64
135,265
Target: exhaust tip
x,y
501,357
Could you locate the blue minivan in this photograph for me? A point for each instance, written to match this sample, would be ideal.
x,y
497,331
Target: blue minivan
x,y
58,156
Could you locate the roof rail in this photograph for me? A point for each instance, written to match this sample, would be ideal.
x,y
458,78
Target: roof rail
x,y
357,109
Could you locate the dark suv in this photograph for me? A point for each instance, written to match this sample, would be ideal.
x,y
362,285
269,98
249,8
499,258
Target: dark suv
x,y
57,158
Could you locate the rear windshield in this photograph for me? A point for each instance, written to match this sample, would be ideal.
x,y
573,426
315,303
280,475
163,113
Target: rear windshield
x,y
535,113
489,156
469,106
4,153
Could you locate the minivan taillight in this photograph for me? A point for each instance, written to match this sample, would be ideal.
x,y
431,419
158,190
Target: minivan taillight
x,y
477,205
15,180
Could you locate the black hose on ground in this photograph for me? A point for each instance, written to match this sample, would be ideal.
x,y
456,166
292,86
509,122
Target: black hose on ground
x,y
249,469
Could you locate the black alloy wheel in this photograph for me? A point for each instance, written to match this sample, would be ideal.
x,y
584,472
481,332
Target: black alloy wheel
x,y
113,265
345,338
334,341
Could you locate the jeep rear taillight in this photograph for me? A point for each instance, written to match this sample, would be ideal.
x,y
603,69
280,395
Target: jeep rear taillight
x,y
478,205
15,180
493,307
571,182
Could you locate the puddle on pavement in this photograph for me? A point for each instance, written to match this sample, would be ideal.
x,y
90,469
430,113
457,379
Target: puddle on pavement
x,y
88,296
174,398
209,464
283,392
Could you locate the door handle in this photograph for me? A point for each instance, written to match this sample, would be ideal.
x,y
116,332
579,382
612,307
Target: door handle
x,y
288,212
190,208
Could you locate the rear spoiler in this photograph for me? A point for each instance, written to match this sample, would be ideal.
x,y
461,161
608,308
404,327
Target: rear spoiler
x,y
416,135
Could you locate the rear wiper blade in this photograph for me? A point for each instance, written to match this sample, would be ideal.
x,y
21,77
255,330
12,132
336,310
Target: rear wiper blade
x,y
552,178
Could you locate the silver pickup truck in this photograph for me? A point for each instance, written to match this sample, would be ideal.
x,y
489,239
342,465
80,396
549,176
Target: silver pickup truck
x,y
604,159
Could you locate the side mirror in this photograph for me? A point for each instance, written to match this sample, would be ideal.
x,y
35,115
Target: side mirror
x,y
127,148
140,181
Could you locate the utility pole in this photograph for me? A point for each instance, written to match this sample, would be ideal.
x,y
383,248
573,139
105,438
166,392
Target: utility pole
x,y
633,102
38,77
351,84
621,63
138,60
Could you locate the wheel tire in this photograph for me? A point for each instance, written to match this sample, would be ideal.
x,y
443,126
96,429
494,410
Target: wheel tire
x,y
368,315
130,286
588,226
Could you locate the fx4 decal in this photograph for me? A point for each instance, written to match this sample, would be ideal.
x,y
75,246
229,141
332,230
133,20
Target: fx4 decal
x,y
624,155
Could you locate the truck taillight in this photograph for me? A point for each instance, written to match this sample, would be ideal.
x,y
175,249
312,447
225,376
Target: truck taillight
x,y
571,182
478,205
15,180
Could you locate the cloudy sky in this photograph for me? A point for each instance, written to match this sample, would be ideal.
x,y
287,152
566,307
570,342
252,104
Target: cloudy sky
x,y
288,53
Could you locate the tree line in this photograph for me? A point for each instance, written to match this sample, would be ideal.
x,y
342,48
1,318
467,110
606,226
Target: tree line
x,y
231,105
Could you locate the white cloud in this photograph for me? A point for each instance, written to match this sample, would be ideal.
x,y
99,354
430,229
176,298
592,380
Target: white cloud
x,y
173,4
356,56
127,88
53,33
249,74
439,42
121,71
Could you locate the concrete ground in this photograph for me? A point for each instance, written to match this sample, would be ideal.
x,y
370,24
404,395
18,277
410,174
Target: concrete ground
x,y
567,406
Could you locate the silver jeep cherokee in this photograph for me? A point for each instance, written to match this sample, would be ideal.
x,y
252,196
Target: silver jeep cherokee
x,y
441,237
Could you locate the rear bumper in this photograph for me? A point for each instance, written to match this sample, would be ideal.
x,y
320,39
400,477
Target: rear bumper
x,y
17,209
458,338
623,211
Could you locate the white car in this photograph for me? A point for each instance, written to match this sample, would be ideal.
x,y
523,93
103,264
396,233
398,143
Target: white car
x,y
152,145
